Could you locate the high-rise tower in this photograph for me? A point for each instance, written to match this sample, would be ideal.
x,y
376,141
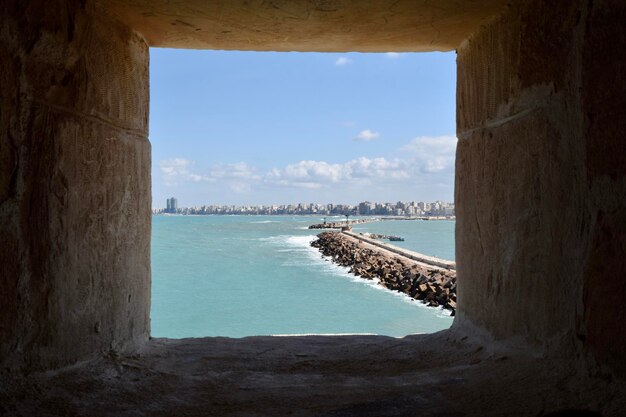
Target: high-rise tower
x,y
172,205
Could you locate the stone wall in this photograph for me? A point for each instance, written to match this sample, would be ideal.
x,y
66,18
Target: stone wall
x,y
306,25
540,177
604,109
74,184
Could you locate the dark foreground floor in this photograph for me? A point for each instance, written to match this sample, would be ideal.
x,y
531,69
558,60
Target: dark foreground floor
x,y
425,375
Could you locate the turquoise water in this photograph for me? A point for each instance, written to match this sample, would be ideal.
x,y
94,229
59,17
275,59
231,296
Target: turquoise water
x,y
257,275
430,237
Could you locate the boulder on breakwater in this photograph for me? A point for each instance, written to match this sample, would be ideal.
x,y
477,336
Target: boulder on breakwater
x,y
433,286
391,238
340,224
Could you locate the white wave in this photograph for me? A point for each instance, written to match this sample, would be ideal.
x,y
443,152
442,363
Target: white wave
x,y
314,258
271,239
302,241
289,240
265,221
343,271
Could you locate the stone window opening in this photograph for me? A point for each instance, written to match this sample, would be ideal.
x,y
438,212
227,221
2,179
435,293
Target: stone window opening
x,y
433,287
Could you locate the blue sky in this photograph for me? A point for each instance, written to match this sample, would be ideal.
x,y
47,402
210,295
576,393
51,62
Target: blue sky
x,y
267,127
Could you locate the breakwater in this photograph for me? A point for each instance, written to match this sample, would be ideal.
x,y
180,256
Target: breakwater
x,y
431,284
385,237
416,256
418,218
340,224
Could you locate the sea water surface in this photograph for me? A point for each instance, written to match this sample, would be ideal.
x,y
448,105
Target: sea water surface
x,y
430,237
240,276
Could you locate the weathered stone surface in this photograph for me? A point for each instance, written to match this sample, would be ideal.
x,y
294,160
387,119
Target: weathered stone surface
x,y
605,287
438,375
75,184
305,25
539,190
540,198
604,104
504,251
604,90
503,226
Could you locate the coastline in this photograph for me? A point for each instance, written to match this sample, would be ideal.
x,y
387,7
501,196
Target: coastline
x,y
365,217
432,284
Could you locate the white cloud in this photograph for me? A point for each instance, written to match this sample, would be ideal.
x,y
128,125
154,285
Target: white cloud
x,y
342,60
317,174
434,145
179,169
424,160
240,187
433,153
393,55
174,166
237,171
380,168
237,176
306,174
366,135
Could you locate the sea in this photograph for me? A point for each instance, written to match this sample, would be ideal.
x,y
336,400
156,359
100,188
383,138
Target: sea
x,y
238,276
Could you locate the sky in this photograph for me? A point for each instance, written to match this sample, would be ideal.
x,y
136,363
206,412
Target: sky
x,y
251,128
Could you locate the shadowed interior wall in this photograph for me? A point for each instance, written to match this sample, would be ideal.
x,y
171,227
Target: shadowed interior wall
x,y
604,107
540,176
74,184
306,25
540,180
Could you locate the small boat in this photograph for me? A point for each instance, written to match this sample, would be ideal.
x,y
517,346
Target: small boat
x,y
396,239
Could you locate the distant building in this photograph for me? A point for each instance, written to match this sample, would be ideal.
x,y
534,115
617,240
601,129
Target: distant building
x,y
366,208
172,205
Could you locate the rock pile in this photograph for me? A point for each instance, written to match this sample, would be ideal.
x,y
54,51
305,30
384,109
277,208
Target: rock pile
x,y
385,237
339,225
432,286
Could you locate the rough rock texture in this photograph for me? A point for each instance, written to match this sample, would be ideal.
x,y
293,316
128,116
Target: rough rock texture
x,y
540,197
339,225
604,107
433,286
439,374
288,25
540,178
74,184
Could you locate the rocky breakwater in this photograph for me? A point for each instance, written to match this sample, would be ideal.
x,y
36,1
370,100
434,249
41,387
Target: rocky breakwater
x,y
385,237
432,285
340,224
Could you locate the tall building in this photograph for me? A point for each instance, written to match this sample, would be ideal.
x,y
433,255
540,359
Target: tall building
x,y
172,205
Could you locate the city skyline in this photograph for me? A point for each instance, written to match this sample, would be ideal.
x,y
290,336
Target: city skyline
x,y
399,208
258,127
